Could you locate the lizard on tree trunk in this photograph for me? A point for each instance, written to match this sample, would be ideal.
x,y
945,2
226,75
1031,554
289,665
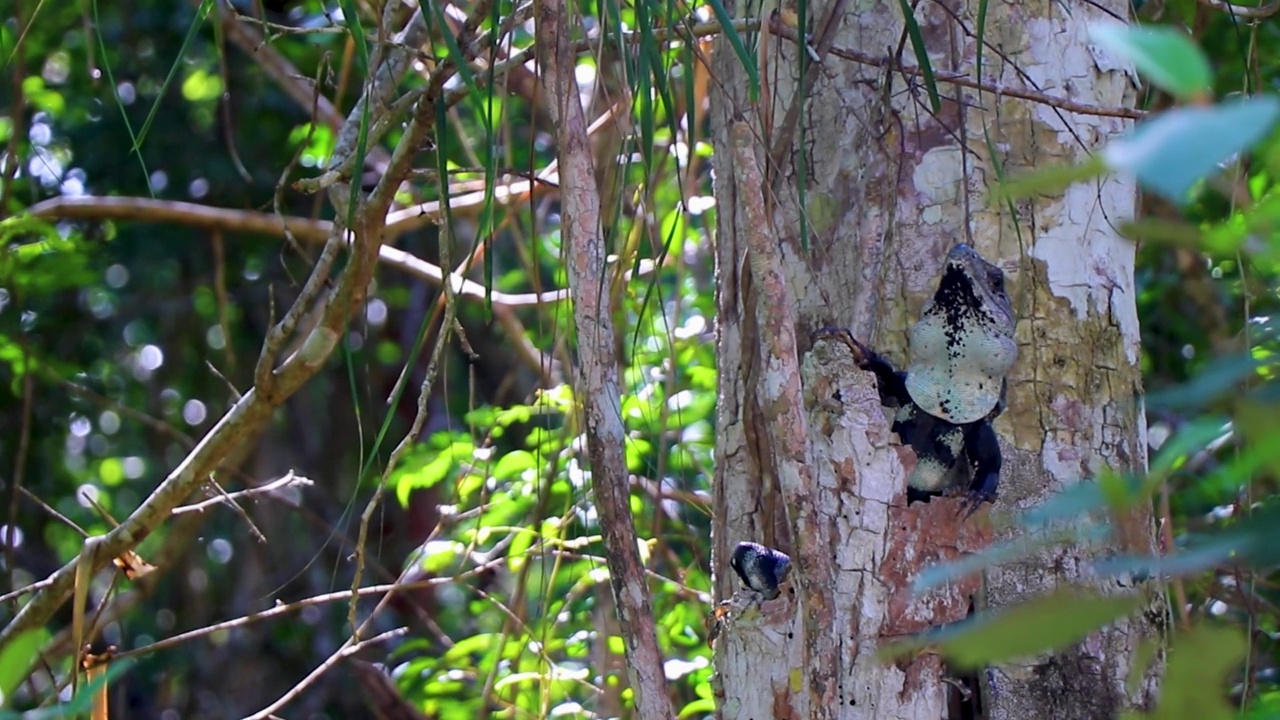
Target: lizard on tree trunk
x,y
961,349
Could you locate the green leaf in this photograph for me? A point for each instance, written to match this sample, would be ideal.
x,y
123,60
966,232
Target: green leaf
x,y
748,62
1190,561
952,571
1199,662
1046,623
922,55
1175,150
16,660
514,463
438,557
1051,180
1166,56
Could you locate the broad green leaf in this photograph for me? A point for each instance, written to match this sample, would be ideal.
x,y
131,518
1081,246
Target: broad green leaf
x,y
513,464
1164,55
1047,623
1218,378
438,557
1176,149
17,659
1199,662
1193,560
1051,180
952,571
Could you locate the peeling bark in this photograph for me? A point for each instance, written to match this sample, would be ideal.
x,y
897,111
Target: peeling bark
x,y
597,371
888,189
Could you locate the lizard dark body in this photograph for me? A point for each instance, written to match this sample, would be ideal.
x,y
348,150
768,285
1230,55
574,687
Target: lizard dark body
x,y
961,349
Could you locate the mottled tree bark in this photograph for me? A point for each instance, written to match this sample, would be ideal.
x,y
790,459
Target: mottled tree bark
x,y
596,385
887,187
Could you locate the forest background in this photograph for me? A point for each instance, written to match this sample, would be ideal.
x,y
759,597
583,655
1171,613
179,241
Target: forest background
x,y
151,150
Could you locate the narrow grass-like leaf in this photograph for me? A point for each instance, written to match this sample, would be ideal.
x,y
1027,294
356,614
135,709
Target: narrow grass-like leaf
x,y
124,115
981,38
17,42
922,55
351,15
201,13
748,63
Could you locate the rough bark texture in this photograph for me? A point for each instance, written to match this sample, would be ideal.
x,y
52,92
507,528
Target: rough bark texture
x,y
597,371
889,187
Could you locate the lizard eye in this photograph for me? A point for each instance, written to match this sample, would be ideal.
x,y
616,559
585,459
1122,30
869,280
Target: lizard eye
x,y
996,280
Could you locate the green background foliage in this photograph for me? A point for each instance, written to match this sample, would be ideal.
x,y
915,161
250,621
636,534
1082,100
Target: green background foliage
x,y
121,343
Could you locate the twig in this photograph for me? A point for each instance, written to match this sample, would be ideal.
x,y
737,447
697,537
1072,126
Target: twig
x,y
346,652
295,606
289,480
1243,11
777,27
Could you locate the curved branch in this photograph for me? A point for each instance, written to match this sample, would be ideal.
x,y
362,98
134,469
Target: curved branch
x,y
136,209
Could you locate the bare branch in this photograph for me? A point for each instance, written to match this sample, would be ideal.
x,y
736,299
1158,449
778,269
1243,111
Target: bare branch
x,y
781,29
1261,12
249,415
597,377
245,221
287,481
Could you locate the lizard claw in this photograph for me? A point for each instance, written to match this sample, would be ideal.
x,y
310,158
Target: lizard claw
x,y
862,354
979,493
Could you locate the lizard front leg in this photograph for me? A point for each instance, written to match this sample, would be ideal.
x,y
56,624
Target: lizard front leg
x,y
982,450
891,383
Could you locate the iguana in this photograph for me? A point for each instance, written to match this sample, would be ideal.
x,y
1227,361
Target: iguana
x,y
961,350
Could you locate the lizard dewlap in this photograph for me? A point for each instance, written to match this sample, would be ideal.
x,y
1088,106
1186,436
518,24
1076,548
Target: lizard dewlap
x,y
961,350
963,345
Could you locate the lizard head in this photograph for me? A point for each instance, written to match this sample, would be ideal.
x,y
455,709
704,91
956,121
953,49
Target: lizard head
x,y
964,345
972,286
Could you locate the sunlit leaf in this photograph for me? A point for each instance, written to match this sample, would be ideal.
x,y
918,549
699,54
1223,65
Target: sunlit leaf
x,y
16,660
1174,150
1165,55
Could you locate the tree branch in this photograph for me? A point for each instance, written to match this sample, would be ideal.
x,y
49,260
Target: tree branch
x,y
597,373
251,412
246,221
781,29
782,403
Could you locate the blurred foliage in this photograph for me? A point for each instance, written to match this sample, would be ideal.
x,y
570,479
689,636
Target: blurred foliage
x,y
122,342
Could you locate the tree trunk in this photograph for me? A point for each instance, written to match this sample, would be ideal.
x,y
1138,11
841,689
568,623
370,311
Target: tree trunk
x,y
887,187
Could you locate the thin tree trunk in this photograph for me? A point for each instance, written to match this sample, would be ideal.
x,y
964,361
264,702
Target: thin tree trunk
x,y
888,187
597,370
